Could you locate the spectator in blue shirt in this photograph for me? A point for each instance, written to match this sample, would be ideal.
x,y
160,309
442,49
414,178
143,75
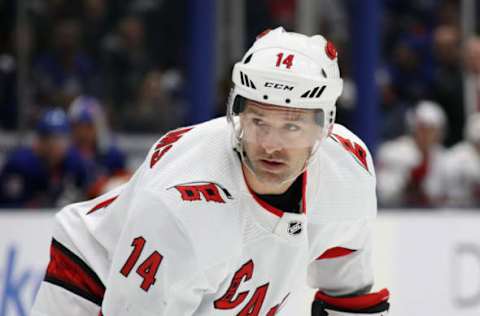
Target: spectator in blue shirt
x,y
45,174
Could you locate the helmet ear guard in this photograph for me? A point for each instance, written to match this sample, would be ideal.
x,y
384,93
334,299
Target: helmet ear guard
x,y
239,104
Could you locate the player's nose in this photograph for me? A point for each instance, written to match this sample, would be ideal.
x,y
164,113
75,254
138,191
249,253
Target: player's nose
x,y
271,141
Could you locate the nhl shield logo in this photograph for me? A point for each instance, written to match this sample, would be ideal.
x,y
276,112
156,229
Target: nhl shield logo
x,y
294,228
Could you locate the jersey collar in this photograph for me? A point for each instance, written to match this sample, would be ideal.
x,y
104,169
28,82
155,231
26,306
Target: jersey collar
x,y
270,208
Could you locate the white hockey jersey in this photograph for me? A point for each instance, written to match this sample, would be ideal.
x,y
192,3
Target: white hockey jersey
x,y
186,236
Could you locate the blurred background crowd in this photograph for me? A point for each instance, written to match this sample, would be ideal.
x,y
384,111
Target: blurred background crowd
x,y
87,86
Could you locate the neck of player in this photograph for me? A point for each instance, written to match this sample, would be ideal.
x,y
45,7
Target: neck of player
x,y
261,187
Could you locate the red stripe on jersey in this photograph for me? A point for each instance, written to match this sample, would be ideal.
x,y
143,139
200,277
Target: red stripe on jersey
x,y
354,303
273,209
335,252
68,271
265,205
304,193
102,204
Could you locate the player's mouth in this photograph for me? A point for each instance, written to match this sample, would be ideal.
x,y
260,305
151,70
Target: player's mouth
x,y
272,165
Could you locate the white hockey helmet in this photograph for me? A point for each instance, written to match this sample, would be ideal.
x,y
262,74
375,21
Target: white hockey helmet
x,y
290,70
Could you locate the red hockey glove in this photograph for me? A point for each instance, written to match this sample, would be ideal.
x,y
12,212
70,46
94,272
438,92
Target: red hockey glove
x,y
368,304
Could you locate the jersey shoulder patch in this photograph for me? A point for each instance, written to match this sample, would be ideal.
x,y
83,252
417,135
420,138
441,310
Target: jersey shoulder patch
x,y
166,143
209,212
202,192
344,179
353,145
196,175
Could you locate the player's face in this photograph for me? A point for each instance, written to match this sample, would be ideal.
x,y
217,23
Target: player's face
x,y
277,141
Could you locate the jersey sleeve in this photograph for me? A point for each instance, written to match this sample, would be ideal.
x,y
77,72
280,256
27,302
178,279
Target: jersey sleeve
x,y
74,282
151,269
341,227
346,268
70,287
154,270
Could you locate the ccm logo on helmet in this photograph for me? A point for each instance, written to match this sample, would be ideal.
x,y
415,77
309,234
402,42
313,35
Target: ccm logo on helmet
x,y
278,86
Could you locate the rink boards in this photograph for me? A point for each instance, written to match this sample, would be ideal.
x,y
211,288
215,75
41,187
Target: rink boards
x,y
430,261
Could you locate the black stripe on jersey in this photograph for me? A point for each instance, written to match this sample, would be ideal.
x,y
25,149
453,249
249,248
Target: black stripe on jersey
x,y
70,272
72,288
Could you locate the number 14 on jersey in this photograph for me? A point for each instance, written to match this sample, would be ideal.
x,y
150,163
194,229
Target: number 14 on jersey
x,y
147,269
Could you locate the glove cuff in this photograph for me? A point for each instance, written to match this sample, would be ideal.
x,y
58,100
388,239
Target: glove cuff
x,y
368,304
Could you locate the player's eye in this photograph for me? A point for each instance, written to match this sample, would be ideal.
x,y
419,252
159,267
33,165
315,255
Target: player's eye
x,y
292,127
258,122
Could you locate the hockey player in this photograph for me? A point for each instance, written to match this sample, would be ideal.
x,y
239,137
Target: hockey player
x,y
229,217
411,167
464,168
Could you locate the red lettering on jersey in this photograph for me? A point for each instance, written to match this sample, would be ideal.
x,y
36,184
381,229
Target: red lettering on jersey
x,y
274,310
165,144
102,204
189,192
227,301
355,149
209,191
148,268
255,304
158,154
137,244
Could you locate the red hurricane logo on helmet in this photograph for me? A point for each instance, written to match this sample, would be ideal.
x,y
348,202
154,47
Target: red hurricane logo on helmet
x,y
331,50
263,33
